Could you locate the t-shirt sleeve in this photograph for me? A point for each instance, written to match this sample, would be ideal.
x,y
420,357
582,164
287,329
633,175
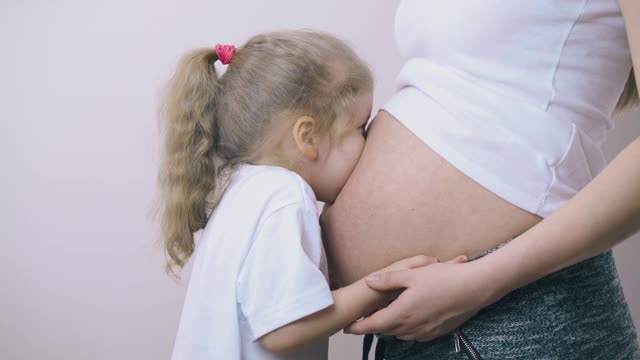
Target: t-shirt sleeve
x,y
281,279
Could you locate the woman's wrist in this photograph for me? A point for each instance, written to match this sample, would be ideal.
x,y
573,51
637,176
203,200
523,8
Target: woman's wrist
x,y
494,277
520,262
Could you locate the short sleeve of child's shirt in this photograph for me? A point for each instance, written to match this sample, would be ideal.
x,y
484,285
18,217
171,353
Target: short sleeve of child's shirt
x,y
281,279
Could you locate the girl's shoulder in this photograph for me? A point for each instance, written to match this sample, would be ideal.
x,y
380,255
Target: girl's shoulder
x,y
273,186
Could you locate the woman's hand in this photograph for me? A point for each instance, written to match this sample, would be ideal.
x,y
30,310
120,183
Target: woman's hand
x,y
414,262
437,299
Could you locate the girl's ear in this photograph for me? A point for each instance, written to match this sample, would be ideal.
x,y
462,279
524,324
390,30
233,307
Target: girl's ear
x,y
304,136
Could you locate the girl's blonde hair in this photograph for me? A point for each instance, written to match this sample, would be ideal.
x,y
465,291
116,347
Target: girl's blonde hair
x,y
212,123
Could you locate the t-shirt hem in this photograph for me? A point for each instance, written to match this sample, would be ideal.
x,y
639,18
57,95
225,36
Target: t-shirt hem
x,y
403,107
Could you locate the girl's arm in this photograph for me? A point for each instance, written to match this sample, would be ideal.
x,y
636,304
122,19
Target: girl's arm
x,y
350,303
600,216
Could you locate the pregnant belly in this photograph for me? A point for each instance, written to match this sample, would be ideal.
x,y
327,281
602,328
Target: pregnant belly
x,y
403,199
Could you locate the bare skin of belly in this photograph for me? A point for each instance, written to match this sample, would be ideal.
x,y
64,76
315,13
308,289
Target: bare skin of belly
x,y
403,199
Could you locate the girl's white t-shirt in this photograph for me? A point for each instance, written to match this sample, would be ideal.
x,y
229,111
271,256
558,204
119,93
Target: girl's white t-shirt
x,y
259,265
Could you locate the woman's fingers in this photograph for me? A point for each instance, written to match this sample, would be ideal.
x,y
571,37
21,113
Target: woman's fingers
x,y
391,280
393,277
458,260
383,321
412,262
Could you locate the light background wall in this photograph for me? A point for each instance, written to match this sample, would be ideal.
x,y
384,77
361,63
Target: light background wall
x,y
79,81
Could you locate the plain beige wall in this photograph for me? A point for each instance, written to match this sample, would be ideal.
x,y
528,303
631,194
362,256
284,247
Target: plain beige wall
x,y
82,278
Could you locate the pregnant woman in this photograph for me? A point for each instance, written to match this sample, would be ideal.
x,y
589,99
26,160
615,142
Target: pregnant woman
x,y
497,124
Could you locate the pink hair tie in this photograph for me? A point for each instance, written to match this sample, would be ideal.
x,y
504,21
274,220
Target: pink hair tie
x,y
225,53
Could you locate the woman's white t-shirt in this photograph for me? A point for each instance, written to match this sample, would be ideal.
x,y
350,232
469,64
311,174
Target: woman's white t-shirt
x,y
516,94
259,265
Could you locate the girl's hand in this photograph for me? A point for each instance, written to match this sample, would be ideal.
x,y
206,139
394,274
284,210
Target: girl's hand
x,y
404,264
438,298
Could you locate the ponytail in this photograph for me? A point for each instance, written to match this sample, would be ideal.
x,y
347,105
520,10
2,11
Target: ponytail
x,y
188,172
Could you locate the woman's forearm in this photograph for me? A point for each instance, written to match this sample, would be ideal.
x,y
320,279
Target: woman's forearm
x,y
600,216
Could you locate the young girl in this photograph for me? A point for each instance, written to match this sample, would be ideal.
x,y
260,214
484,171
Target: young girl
x,y
282,127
